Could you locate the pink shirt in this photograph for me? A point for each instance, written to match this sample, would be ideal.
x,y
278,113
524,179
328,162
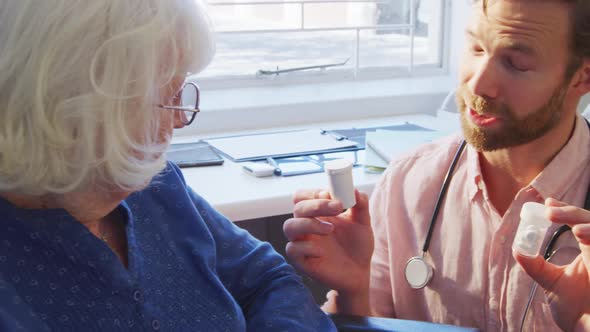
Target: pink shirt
x,y
477,282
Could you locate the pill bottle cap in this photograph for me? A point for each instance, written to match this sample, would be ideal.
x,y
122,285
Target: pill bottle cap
x,y
534,213
337,166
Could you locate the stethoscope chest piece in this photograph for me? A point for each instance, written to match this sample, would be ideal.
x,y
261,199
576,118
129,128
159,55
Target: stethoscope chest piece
x,y
418,273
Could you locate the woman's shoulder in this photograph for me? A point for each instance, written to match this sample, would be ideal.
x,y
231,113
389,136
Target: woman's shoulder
x,y
169,199
169,184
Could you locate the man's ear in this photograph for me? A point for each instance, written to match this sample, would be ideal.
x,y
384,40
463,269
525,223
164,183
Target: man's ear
x,y
581,79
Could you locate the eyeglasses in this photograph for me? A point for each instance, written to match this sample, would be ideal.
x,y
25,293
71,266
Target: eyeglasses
x,y
186,103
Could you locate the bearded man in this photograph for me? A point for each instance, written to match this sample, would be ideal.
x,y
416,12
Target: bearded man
x,y
525,67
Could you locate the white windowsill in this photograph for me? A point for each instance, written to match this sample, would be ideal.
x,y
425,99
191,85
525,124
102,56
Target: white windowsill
x,y
261,108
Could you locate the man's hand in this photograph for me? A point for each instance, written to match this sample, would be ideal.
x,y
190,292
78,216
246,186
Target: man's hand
x,y
332,246
567,287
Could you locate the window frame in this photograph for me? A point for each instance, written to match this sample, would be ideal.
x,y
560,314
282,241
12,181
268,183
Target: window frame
x,y
257,105
337,75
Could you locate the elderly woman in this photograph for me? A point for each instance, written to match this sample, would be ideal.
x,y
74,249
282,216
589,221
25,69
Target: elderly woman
x,y
97,231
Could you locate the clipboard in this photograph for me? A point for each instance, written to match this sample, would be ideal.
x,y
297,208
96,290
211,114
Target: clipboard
x,y
359,135
281,144
298,143
193,154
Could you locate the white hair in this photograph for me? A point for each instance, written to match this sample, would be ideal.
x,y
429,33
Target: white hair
x,y
78,81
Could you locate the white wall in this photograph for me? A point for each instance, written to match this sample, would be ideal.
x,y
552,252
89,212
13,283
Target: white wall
x,y
460,12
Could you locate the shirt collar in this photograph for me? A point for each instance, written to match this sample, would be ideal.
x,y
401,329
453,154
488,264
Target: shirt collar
x,y
561,173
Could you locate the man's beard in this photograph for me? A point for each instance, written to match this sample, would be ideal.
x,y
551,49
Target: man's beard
x,y
513,131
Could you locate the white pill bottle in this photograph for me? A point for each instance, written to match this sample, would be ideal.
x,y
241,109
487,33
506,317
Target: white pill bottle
x,y
531,230
340,181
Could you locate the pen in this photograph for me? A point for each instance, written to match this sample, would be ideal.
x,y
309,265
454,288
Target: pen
x,y
274,164
333,134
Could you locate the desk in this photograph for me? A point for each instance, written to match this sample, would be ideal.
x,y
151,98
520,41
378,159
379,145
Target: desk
x,y
261,205
240,196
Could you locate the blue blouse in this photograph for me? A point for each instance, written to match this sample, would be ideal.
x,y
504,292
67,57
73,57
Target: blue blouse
x,y
189,269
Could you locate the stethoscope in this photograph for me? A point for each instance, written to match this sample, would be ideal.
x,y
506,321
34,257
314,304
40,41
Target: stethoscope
x,y
418,272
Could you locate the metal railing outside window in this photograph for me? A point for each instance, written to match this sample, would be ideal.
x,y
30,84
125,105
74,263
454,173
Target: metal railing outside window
x,y
326,39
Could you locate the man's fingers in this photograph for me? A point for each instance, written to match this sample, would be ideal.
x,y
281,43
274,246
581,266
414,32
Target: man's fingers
x,y
570,215
543,272
303,249
299,251
582,233
579,218
553,202
318,203
360,212
317,208
296,228
306,194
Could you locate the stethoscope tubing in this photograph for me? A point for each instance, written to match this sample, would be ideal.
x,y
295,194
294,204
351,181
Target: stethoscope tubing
x,y
441,196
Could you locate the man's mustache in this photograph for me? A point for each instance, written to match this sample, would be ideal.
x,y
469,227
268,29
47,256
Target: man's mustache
x,y
481,106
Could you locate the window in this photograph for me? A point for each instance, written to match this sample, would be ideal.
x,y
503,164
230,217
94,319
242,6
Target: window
x,y
315,40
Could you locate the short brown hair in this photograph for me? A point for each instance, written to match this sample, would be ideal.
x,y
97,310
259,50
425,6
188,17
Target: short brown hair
x,y
580,33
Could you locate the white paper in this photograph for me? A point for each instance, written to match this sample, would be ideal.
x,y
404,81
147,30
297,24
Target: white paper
x,y
372,159
389,144
278,144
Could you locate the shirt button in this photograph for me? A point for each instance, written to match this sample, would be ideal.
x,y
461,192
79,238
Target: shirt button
x,y
503,239
480,185
493,305
137,295
156,325
493,321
